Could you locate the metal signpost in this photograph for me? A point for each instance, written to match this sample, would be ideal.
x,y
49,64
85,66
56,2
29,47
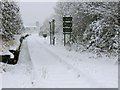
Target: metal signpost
x,y
67,27
52,32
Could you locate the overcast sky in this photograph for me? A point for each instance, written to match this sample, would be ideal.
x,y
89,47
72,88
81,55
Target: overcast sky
x,y
36,11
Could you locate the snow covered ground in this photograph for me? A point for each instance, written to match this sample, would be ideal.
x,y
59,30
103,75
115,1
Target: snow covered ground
x,y
18,76
45,66
0,81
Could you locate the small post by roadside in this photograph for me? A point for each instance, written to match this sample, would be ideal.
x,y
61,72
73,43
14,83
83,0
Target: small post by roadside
x,y
64,39
53,27
52,32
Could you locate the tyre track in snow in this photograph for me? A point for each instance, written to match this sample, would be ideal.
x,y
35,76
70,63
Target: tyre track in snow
x,y
57,74
67,65
44,67
34,71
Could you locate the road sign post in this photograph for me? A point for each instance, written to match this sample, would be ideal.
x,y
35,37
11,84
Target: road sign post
x,y
52,32
64,39
67,27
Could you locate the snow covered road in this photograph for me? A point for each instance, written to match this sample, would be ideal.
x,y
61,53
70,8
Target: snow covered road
x,y
52,70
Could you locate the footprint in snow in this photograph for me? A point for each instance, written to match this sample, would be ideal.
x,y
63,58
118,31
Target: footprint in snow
x,y
78,75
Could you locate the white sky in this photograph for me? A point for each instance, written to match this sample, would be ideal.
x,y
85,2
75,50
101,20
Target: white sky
x,y
36,11
39,10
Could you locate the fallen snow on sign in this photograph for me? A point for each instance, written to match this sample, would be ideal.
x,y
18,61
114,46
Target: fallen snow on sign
x,y
45,66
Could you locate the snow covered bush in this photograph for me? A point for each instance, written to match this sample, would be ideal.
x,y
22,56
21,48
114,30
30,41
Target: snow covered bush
x,y
102,36
11,22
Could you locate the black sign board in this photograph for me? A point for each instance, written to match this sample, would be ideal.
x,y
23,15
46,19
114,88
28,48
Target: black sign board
x,y
67,24
67,29
67,18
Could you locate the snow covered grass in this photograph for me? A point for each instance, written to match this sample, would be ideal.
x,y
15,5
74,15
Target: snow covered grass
x,y
0,81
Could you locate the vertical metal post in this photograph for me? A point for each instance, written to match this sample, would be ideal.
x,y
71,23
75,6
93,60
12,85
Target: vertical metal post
x,y
70,35
53,27
64,39
50,33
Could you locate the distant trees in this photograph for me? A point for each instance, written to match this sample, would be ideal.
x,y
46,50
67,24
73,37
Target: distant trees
x,y
11,22
45,27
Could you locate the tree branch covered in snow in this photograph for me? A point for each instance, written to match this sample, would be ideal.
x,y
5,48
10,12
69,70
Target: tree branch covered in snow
x,y
11,21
